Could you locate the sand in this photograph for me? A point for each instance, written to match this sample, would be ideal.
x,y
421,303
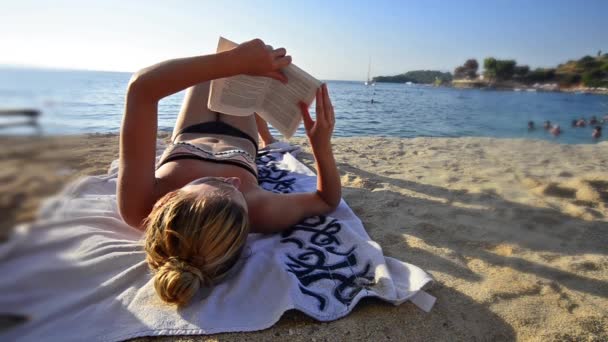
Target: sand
x,y
515,232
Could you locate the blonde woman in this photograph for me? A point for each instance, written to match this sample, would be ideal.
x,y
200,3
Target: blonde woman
x,y
202,199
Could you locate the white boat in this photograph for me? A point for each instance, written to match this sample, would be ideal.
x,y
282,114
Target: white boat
x,y
369,81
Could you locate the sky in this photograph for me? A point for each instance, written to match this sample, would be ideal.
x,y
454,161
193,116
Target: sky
x,y
332,40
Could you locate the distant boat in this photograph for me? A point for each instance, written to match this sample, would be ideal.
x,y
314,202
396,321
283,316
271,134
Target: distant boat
x,y
408,83
369,82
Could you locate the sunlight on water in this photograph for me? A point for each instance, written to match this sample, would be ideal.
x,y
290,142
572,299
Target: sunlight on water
x,y
75,102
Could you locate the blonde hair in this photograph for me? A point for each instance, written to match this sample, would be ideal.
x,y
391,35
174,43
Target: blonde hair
x,y
192,241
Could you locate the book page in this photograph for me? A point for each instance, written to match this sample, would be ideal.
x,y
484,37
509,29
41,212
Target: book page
x,y
280,106
274,101
238,95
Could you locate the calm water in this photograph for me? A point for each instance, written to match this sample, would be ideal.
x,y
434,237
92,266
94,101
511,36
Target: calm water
x,y
88,101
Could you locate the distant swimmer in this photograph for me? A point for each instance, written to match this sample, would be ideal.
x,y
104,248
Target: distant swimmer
x,y
581,122
547,125
593,120
531,125
556,130
597,132
574,122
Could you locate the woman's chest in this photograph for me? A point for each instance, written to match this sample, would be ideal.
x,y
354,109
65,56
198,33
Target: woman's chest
x,y
176,174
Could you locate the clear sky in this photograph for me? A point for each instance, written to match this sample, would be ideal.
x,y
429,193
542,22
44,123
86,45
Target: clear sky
x,y
329,39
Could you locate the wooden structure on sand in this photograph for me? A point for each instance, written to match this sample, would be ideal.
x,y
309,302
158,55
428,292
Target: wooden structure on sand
x,y
30,115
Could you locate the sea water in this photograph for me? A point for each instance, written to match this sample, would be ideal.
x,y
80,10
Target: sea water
x,y
76,102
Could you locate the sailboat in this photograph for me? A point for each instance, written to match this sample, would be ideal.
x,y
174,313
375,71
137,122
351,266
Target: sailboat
x,y
369,81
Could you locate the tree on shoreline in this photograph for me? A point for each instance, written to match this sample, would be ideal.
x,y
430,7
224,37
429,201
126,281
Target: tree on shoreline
x,y
417,76
588,71
499,69
521,70
468,70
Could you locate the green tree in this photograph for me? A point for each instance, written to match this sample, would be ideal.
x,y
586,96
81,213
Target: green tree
x,y
499,69
595,78
471,67
588,63
460,72
467,70
539,75
505,69
489,65
416,76
521,70
568,79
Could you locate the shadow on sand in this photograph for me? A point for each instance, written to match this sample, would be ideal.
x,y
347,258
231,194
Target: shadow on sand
x,y
500,222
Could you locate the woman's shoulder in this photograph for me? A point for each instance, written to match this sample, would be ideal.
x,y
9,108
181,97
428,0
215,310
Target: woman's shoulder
x,y
256,197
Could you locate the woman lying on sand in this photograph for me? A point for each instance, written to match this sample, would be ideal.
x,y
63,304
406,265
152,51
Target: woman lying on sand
x,y
202,199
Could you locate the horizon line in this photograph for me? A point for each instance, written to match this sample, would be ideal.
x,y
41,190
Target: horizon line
x,y
54,68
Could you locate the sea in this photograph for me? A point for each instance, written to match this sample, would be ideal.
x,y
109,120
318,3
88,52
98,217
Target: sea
x,y
80,102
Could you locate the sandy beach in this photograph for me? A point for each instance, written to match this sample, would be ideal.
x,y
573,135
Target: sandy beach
x,y
514,231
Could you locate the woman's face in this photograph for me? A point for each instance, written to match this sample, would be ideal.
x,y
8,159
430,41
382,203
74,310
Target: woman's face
x,y
227,185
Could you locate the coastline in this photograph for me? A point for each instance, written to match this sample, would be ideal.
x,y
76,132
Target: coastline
x,y
474,84
513,230
514,86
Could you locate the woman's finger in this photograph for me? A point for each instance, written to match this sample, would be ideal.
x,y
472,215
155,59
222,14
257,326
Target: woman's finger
x,y
332,117
319,106
280,52
308,122
329,109
282,62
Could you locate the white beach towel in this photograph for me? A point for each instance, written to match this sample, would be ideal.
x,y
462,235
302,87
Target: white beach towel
x,y
79,272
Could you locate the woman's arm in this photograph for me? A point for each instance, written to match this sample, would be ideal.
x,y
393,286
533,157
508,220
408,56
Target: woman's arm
x,y
169,77
276,212
136,179
319,134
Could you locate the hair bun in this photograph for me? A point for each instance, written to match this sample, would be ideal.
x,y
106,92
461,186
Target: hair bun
x,y
185,267
178,281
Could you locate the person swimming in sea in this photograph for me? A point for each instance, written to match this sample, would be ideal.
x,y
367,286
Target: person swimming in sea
x,y
531,126
547,125
597,132
593,120
556,130
581,122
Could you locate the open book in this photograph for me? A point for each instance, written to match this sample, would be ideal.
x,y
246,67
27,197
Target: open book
x,y
275,102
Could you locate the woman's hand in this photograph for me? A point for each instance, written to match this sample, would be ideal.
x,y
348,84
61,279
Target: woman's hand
x,y
258,59
329,190
319,132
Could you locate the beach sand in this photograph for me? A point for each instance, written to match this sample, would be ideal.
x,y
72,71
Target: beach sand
x,y
515,232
